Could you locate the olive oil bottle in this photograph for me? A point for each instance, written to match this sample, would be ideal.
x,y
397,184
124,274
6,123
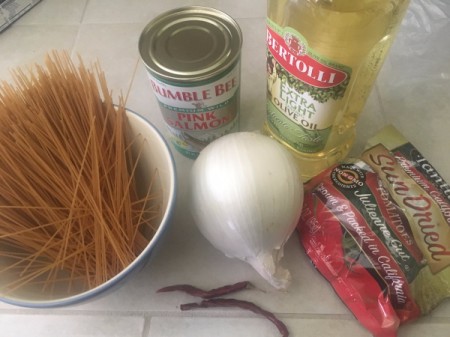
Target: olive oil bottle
x,y
323,57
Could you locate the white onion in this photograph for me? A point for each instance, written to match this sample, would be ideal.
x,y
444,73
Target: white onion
x,y
247,197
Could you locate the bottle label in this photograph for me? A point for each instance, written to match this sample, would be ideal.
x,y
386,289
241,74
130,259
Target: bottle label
x,y
305,90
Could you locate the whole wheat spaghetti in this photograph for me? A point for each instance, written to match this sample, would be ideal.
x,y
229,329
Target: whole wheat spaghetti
x,y
70,212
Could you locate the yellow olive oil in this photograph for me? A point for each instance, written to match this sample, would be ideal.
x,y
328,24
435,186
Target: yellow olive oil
x,y
323,57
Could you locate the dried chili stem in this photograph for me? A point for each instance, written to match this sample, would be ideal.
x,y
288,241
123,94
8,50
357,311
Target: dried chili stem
x,y
208,294
229,302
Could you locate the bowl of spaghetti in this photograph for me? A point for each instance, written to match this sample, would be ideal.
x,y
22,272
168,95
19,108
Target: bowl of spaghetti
x,y
87,187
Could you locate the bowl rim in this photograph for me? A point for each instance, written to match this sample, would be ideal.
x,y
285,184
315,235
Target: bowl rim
x,y
142,257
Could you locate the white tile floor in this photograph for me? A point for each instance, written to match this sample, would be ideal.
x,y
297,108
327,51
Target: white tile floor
x,y
412,93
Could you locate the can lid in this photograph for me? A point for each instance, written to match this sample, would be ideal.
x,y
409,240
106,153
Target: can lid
x,y
190,44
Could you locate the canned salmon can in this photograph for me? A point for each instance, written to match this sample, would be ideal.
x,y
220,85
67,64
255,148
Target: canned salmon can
x,y
192,56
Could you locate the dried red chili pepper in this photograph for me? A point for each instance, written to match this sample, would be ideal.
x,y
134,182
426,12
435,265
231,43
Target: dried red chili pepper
x,y
230,302
207,294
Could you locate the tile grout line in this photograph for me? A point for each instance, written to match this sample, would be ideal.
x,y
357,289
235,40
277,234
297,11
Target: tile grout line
x,y
80,24
150,314
84,11
146,327
147,316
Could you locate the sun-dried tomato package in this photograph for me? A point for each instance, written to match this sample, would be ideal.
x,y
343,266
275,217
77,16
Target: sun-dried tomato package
x,y
378,229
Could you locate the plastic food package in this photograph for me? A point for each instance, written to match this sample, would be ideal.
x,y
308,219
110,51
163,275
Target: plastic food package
x,y
413,87
378,229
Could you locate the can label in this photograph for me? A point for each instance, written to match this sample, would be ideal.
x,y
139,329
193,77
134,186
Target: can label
x,y
198,114
305,90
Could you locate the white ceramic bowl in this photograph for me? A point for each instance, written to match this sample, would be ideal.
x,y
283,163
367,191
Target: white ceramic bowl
x,y
156,155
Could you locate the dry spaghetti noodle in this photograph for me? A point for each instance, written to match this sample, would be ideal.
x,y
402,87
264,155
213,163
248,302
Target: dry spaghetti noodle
x,y
70,212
